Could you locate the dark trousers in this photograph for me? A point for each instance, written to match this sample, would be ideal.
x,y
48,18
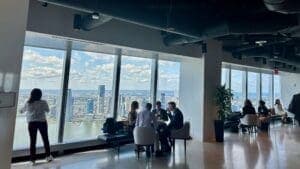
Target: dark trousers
x,y
33,127
164,134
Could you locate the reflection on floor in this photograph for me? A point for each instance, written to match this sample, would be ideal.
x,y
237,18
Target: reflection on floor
x,y
279,149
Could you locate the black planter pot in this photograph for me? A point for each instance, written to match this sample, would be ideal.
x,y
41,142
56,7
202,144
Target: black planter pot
x,y
219,130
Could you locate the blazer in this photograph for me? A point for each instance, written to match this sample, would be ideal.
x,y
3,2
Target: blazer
x,y
176,120
294,106
163,114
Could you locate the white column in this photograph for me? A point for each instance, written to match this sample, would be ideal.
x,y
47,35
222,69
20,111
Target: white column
x,y
190,95
212,64
13,16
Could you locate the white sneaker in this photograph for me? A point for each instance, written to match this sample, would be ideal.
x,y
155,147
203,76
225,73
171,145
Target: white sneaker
x,y
49,158
32,163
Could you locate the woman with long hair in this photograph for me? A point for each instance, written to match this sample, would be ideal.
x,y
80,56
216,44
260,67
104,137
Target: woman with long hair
x,y
264,116
132,115
36,110
248,108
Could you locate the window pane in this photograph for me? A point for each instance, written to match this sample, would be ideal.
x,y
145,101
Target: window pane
x,y
253,88
237,90
266,84
168,82
135,83
277,88
225,77
41,68
89,95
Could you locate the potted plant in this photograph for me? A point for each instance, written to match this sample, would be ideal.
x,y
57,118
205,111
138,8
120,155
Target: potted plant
x,y
223,98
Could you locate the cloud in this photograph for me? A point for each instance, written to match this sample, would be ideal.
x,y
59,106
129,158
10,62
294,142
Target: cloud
x,y
41,73
37,59
99,56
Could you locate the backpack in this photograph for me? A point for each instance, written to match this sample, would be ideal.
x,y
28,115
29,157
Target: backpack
x,y
109,126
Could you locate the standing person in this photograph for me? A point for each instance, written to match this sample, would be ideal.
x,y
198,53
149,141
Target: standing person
x,y
294,107
36,110
160,113
132,115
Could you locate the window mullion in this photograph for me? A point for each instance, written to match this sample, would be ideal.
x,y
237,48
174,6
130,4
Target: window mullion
x,y
65,83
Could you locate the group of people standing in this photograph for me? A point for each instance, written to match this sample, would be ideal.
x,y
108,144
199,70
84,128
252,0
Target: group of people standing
x,y
161,120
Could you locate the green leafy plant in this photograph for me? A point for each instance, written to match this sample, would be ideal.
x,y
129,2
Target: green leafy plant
x,y
223,99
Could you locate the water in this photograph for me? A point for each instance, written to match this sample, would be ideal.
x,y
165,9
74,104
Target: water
x,y
73,132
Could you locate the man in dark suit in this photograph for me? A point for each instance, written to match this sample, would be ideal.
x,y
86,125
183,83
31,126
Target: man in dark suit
x,y
175,116
294,107
176,122
160,113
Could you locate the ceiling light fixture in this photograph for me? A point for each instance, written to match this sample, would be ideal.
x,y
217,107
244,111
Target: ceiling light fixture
x,y
260,42
95,16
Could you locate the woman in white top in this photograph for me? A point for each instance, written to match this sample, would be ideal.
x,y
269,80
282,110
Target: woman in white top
x,y
279,109
36,110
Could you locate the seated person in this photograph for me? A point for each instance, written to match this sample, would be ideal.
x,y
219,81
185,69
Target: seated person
x,y
247,109
132,115
147,119
175,116
160,113
264,115
279,110
176,122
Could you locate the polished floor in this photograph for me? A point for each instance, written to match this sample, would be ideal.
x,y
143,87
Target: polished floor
x,y
280,149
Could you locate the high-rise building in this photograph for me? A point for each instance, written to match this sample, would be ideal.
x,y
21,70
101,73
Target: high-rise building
x,y
108,105
90,106
69,106
163,100
101,97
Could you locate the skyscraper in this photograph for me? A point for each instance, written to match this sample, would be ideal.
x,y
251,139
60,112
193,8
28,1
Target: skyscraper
x,y
101,97
90,106
69,106
163,100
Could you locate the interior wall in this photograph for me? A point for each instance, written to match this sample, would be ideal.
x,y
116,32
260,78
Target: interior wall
x,y
13,14
290,85
190,95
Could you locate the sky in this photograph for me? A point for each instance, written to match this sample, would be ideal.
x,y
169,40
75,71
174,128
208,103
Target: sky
x,y
43,68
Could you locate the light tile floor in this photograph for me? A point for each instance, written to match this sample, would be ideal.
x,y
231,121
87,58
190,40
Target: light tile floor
x,y
280,149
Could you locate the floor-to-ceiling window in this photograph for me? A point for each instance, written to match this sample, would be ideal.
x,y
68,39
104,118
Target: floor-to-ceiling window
x,y
89,94
135,83
237,87
168,82
225,77
277,88
90,70
41,68
266,89
253,84
253,88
